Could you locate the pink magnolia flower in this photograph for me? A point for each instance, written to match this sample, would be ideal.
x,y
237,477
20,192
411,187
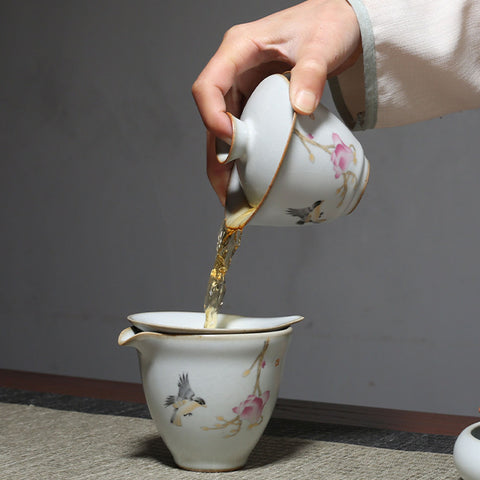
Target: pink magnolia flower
x,y
341,157
251,409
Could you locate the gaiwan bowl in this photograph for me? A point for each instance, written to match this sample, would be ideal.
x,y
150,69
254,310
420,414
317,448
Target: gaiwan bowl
x,y
290,169
210,395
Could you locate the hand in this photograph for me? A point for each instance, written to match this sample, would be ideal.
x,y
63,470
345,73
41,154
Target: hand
x,y
313,39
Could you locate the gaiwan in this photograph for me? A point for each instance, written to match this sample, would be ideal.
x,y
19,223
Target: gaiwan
x,y
211,392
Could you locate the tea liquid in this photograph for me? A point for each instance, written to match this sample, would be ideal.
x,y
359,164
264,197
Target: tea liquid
x,y
227,244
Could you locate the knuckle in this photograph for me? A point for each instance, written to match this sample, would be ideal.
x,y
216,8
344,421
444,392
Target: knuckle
x,y
197,88
236,32
313,65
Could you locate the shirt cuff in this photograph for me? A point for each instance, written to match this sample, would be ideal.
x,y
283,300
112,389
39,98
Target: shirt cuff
x,y
355,90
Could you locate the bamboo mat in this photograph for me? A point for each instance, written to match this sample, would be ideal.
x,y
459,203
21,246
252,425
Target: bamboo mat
x,y
51,443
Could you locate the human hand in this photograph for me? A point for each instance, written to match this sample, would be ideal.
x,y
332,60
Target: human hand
x,y
314,39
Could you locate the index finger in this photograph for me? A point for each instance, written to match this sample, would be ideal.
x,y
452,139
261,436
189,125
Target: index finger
x,y
209,92
237,54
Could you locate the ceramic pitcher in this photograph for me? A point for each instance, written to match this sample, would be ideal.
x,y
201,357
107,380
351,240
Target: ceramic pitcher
x,y
211,395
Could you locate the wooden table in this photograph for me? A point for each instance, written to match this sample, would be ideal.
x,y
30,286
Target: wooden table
x,y
328,413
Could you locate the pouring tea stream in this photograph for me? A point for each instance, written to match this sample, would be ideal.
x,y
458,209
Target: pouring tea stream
x,y
289,170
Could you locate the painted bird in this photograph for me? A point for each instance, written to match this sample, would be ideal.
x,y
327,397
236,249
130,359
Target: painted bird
x,y
185,402
313,213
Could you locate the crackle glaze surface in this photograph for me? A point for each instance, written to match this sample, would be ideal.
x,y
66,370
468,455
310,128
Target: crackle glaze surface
x,y
211,396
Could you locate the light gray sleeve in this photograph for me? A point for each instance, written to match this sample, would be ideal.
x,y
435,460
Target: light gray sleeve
x,y
364,76
421,60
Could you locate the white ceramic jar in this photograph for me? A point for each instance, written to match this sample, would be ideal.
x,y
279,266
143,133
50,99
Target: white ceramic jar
x,y
466,452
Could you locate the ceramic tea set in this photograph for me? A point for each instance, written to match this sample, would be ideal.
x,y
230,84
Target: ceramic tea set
x,y
466,452
211,392
290,169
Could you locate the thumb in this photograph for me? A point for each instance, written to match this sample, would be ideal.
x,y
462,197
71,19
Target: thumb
x,y
307,82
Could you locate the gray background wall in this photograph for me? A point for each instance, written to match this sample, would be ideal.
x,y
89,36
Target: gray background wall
x,y
106,210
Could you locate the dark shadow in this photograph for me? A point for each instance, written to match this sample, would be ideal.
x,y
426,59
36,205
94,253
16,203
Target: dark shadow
x,y
154,448
268,451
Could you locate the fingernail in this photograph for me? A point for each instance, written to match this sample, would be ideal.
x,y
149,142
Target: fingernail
x,y
305,101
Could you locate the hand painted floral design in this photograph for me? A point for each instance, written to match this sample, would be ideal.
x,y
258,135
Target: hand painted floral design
x,y
342,157
249,410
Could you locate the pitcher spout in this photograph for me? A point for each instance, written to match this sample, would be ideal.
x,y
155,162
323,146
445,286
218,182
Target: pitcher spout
x,y
129,337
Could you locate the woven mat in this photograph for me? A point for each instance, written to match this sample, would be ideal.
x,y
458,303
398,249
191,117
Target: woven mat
x,y
43,443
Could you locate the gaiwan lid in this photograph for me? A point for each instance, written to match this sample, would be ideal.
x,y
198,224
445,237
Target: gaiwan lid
x,y
263,131
192,323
